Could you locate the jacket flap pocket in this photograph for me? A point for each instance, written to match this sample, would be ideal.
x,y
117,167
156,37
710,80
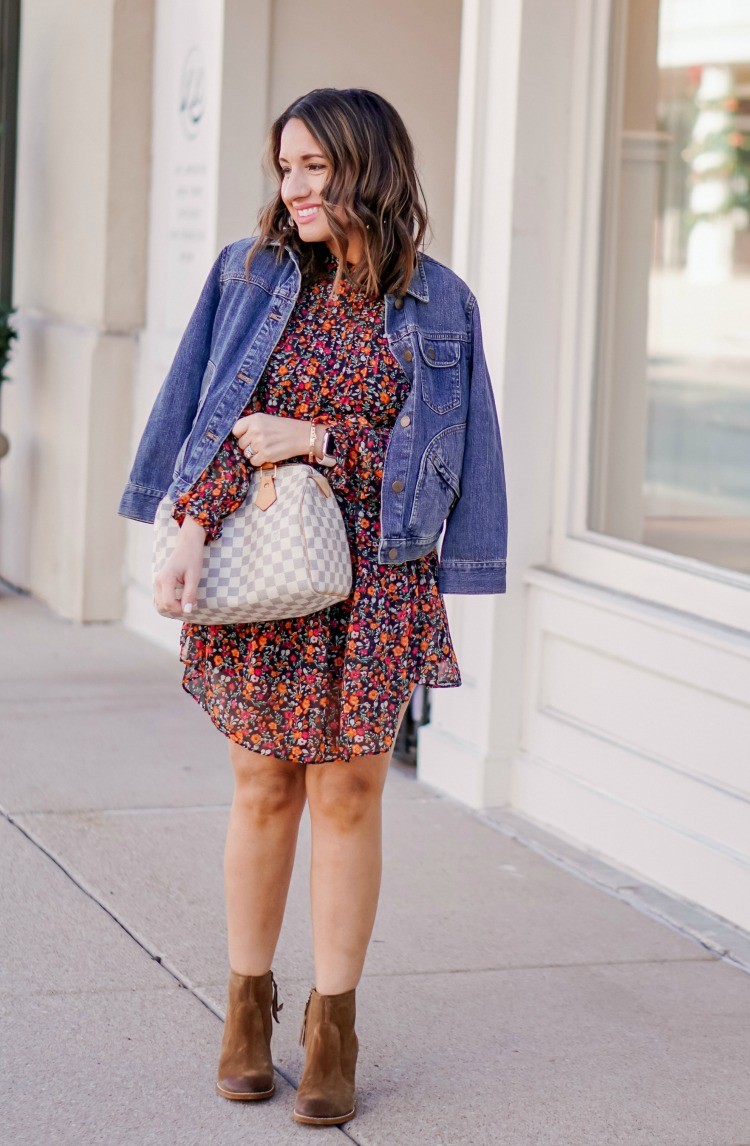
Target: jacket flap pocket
x,y
439,351
446,473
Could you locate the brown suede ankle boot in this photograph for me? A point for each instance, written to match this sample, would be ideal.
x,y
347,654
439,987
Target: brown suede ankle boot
x,y
326,1094
245,1066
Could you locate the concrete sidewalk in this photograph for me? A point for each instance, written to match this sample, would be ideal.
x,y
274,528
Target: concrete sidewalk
x,y
505,999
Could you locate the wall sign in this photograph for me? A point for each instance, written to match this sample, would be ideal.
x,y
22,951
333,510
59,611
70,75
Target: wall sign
x,y
191,54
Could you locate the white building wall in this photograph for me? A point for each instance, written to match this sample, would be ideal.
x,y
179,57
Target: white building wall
x,y
634,664
187,148
635,728
83,166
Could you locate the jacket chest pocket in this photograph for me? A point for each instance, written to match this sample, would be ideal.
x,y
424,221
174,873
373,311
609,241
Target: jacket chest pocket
x,y
439,366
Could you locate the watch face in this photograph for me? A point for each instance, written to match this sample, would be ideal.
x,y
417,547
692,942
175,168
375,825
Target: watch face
x,y
329,443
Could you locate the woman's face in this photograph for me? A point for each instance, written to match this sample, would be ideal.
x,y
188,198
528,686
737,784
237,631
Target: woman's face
x,y
305,172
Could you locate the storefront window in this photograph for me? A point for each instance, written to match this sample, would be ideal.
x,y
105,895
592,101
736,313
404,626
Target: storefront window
x,y
671,445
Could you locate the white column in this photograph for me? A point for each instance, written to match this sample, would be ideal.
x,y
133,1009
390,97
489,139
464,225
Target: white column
x,y
80,283
508,236
210,123
462,751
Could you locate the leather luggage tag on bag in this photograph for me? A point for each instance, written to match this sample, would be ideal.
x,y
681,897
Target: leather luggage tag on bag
x,y
322,483
267,493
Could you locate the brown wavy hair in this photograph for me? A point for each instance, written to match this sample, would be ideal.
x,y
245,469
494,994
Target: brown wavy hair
x,y
373,179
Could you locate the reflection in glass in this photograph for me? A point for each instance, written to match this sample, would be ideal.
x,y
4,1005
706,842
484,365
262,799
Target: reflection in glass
x,y
672,416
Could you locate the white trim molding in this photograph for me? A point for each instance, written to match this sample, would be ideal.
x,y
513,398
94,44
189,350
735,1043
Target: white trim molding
x,y
634,723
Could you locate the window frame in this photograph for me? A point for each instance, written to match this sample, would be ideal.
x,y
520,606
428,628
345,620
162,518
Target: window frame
x,y
673,581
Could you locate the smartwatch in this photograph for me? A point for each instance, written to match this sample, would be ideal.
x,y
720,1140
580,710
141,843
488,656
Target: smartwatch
x,y
329,449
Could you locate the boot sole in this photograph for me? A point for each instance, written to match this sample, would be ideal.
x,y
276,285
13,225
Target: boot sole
x,y
250,1096
335,1120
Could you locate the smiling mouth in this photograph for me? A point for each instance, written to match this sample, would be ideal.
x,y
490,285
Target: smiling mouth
x,y
307,213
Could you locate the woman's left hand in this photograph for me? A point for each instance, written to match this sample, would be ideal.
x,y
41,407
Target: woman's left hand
x,y
271,438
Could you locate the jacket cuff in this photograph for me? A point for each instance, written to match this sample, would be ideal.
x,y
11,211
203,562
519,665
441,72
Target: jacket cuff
x,y
139,504
467,578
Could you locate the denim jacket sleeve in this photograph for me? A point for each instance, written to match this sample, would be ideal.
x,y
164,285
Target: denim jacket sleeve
x,y
474,545
172,415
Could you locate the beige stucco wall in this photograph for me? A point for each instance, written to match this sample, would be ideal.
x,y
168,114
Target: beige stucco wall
x,y
408,53
82,198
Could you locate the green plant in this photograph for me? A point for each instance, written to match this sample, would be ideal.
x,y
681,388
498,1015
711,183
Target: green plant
x,y
7,335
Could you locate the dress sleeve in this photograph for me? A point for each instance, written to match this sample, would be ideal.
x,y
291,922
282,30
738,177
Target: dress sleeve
x,y
219,491
360,449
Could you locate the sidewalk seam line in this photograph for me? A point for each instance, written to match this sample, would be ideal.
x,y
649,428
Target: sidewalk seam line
x,y
145,946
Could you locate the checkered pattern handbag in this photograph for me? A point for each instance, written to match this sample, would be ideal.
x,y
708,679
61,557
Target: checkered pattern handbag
x,y
283,553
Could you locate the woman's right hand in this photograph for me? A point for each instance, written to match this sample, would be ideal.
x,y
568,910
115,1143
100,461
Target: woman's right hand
x,y
176,584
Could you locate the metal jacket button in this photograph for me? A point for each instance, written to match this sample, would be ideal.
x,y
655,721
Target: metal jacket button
x,y
393,553
431,352
398,303
397,486
408,355
406,420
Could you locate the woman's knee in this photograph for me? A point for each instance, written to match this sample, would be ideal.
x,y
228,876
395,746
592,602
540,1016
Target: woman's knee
x,y
342,795
264,785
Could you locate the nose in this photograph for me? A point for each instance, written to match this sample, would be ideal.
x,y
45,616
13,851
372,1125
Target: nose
x,y
297,185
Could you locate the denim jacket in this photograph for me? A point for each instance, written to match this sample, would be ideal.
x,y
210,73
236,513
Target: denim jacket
x,y
443,461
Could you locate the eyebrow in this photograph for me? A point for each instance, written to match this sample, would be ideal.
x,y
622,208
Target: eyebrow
x,y
309,155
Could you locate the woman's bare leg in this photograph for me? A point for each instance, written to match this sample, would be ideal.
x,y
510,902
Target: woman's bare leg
x,y
345,804
269,798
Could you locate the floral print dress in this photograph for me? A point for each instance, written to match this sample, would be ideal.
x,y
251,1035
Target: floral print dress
x,y
330,685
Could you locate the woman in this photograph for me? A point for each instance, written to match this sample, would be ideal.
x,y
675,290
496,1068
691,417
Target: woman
x,y
329,337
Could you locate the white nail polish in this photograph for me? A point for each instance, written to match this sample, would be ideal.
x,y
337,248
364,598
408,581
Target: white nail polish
x,y
187,608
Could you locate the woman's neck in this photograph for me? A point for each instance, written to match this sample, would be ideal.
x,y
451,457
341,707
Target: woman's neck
x,y
353,253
